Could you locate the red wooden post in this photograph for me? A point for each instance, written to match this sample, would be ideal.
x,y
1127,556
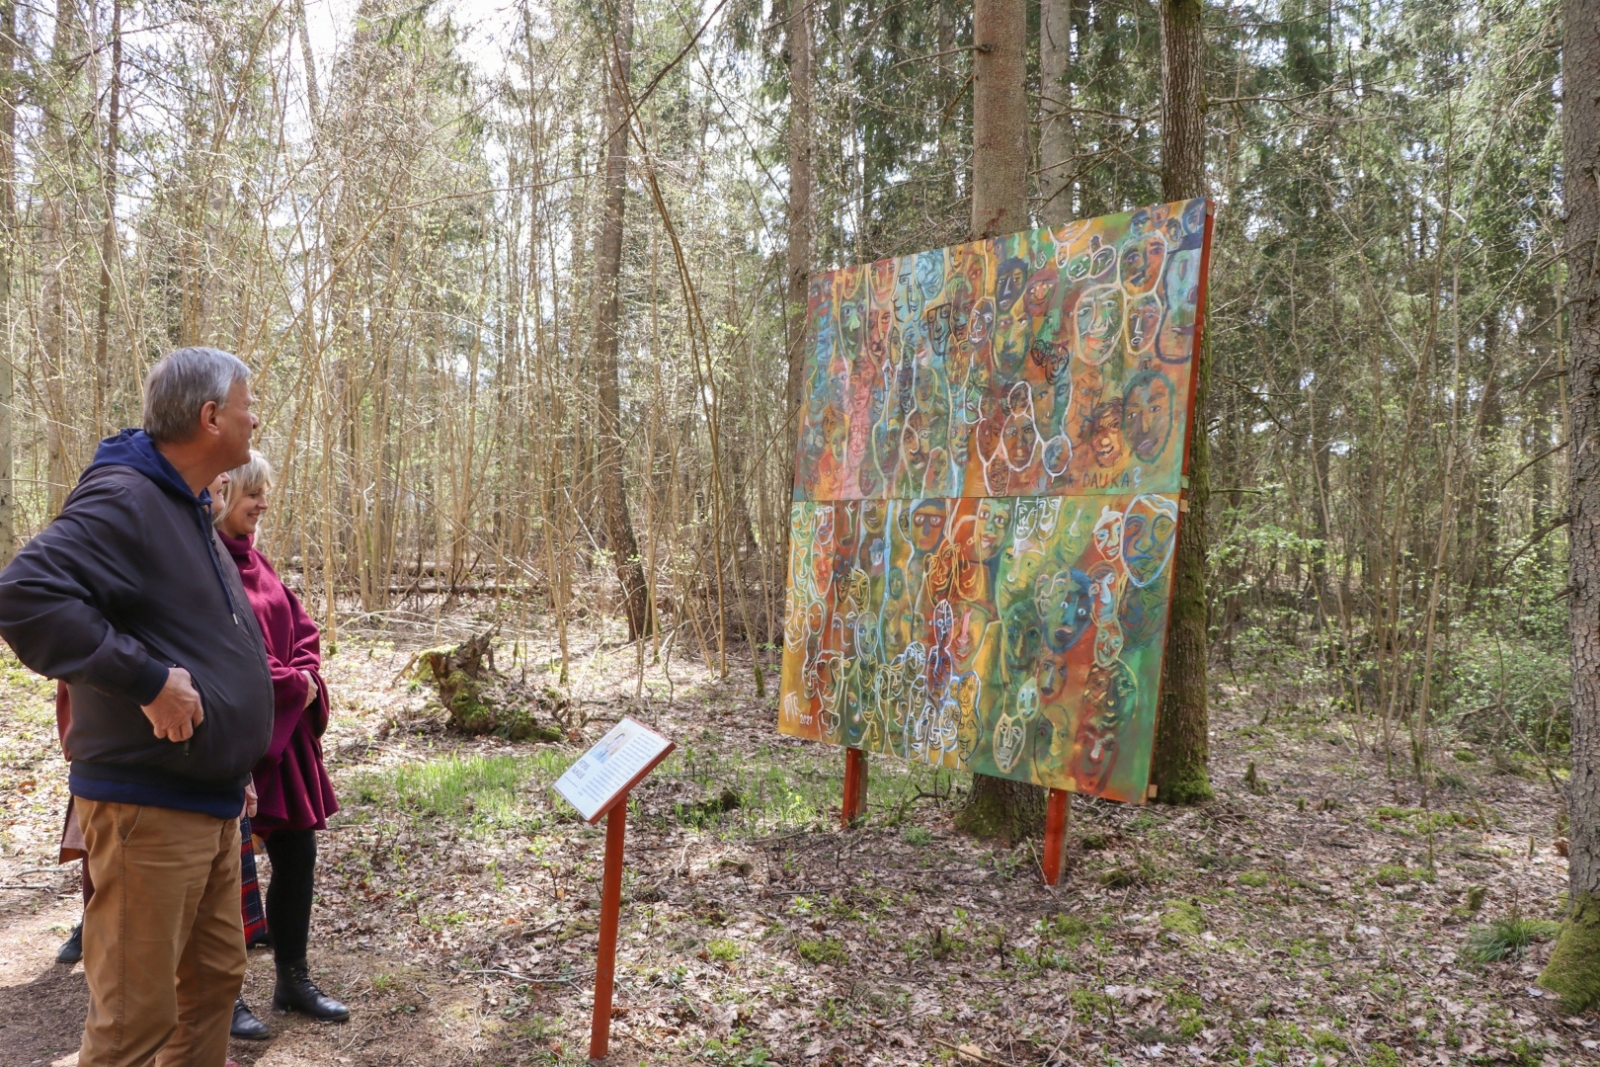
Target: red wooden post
x,y
855,787
1057,817
605,967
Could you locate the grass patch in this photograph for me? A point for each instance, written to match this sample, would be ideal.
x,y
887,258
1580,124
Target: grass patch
x,y
724,951
1506,939
827,950
1254,879
452,787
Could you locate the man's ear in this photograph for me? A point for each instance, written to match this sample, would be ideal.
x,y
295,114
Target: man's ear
x,y
208,418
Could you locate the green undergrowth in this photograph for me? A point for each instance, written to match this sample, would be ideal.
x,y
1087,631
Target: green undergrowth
x,y
727,795
776,791
1506,938
485,791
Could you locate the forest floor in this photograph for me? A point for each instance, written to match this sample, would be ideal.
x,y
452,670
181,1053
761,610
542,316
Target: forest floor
x,y
1315,914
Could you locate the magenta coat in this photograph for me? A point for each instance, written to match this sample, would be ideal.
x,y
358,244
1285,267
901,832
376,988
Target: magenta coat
x,y
292,785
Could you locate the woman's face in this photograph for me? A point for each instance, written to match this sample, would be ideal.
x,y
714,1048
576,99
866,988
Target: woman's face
x,y
244,512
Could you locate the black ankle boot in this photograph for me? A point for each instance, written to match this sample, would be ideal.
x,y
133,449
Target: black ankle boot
x,y
72,948
246,1027
296,991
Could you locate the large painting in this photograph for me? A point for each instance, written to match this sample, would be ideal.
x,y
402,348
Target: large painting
x,y
987,499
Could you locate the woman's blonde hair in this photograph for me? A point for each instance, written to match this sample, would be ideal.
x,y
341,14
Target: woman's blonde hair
x,y
242,481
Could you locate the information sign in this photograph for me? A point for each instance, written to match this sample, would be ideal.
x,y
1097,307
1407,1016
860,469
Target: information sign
x,y
598,785
606,772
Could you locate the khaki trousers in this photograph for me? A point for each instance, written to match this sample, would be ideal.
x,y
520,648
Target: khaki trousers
x,y
163,943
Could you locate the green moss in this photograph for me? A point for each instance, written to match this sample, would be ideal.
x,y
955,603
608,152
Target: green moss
x,y
1185,790
1381,1055
1254,879
1001,810
1393,874
828,950
1183,917
724,951
1574,967
517,724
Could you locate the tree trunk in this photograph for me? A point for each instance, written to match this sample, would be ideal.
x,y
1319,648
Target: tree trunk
x,y
1574,967
608,265
108,234
1178,764
9,98
998,807
57,235
999,117
1055,117
801,169
313,96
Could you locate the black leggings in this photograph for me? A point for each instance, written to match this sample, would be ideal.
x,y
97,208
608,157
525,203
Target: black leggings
x,y
294,861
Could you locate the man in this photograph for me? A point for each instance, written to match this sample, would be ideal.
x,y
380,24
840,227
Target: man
x,y
128,599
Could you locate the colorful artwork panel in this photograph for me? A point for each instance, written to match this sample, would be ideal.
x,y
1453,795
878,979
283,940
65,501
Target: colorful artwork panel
x,y
1052,362
1020,637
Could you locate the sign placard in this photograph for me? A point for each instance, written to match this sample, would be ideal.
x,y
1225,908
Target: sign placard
x,y
606,772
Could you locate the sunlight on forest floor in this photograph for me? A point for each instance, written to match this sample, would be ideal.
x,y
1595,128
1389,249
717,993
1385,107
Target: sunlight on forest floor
x,y
1321,916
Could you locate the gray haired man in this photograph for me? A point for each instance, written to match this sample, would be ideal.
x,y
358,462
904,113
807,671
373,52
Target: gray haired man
x,y
128,598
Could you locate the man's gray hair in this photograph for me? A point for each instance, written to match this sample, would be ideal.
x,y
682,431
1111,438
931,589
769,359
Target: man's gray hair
x,y
184,382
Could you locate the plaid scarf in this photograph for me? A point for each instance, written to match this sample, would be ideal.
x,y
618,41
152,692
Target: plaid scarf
x,y
255,918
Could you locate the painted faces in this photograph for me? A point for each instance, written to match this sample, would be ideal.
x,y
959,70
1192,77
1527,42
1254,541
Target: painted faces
x,y
994,516
927,524
1065,607
1040,293
1148,535
930,274
1098,324
1147,414
1144,320
1105,434
1181,294
1141,263
1108,533
1008,285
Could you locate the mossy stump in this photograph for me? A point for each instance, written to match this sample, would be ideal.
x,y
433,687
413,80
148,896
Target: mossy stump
x,y
1574,967
460,675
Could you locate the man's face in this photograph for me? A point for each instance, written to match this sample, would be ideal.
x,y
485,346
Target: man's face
x,y
235,423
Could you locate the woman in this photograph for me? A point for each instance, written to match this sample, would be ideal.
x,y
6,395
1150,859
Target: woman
x,y
294,795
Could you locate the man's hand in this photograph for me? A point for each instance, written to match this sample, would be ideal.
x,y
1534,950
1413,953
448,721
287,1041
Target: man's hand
x,y
311,688
250,798
176,710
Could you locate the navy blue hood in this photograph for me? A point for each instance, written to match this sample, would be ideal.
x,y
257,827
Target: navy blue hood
x,y
134,448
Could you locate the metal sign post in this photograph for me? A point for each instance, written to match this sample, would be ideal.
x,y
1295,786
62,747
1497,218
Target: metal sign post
x,y
597,785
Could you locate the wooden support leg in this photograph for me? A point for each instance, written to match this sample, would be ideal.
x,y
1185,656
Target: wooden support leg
x,y
1058,816
605,968
855,787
